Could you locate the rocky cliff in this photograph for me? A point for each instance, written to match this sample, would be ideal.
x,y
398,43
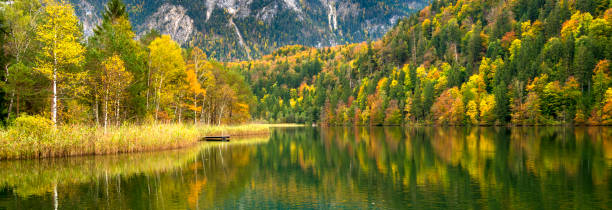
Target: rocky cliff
x,y
245,29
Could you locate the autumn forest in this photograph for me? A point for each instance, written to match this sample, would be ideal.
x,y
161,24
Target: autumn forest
x,y
112,77
520,62
456,62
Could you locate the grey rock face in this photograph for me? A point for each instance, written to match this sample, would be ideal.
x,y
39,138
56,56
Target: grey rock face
x,y
172,20
230,29
233,7
89,16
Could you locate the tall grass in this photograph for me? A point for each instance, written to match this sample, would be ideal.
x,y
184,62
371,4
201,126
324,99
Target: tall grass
x,y
39,176
33,137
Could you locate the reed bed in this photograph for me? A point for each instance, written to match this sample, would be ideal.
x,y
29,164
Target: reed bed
x,y
39,176
33,139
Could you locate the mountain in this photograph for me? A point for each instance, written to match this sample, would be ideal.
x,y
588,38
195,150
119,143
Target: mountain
x,y
247,29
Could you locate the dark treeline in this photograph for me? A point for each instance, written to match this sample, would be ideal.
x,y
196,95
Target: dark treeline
x,y
523,62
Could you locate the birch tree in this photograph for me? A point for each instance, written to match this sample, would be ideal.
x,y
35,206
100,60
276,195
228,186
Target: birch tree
x,y
115,80
166,62
59,36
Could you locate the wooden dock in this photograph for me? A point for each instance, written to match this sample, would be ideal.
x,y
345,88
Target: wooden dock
x,y
217,138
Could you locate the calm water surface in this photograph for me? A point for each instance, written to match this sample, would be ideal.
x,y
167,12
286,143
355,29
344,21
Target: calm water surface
x,y
339,168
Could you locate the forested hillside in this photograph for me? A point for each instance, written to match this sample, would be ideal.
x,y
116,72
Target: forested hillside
x,y
458,62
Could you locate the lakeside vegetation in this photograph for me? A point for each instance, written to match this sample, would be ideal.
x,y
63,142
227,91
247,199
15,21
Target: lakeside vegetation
x,y
36,137
39,176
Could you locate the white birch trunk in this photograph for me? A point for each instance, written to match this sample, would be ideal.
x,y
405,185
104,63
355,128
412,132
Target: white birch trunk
x,y
220,114
106,109
54,103
157,97
195,108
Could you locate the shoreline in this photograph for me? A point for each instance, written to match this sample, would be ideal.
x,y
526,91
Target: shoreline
x,y
39,142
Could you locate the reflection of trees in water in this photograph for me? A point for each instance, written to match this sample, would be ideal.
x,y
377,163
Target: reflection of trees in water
x,y
198,176
361,167
496,166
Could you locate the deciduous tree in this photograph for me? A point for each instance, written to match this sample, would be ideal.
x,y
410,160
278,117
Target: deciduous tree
x,y
59,35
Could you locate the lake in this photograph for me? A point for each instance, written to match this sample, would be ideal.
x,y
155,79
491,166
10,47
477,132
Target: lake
x,y
337,168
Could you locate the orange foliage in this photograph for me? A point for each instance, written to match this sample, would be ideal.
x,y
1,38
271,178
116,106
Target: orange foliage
x,y
507,39
448,108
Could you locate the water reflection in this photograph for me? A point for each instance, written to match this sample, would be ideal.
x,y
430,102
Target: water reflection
x,y
391,167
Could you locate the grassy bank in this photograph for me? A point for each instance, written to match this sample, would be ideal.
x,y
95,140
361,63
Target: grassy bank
x,y
33,137
39,176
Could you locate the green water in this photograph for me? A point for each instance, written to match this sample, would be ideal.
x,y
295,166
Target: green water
x,y
337,168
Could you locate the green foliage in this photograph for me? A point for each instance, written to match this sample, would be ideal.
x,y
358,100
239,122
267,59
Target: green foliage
x,y
115,78
33,126
455,62
493,58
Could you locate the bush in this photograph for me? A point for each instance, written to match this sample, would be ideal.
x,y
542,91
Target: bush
x,y
31,125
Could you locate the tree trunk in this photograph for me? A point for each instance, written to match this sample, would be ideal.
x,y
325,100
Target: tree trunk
x,y
157,97
10,105
54,103
7,74
209,113
106,108
179,108
195,108
148,81
177,113
17,104
202,110
97,110
220,114
117,111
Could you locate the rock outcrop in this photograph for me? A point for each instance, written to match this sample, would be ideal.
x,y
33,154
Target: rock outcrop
x,y
244,29
172,20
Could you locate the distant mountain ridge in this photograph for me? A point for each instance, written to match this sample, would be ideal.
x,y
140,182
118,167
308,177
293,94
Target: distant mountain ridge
x,y
246,29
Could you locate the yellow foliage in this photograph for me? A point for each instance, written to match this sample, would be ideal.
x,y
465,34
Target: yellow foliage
x,y
381,84
607,108
487,104
192,80
421,73
472,112
514,48
59,36
115,77
577,23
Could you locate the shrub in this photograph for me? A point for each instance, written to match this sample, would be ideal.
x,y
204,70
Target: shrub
x,y
34,126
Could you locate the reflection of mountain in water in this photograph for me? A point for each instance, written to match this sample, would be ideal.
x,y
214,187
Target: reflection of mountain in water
x,y
348,168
